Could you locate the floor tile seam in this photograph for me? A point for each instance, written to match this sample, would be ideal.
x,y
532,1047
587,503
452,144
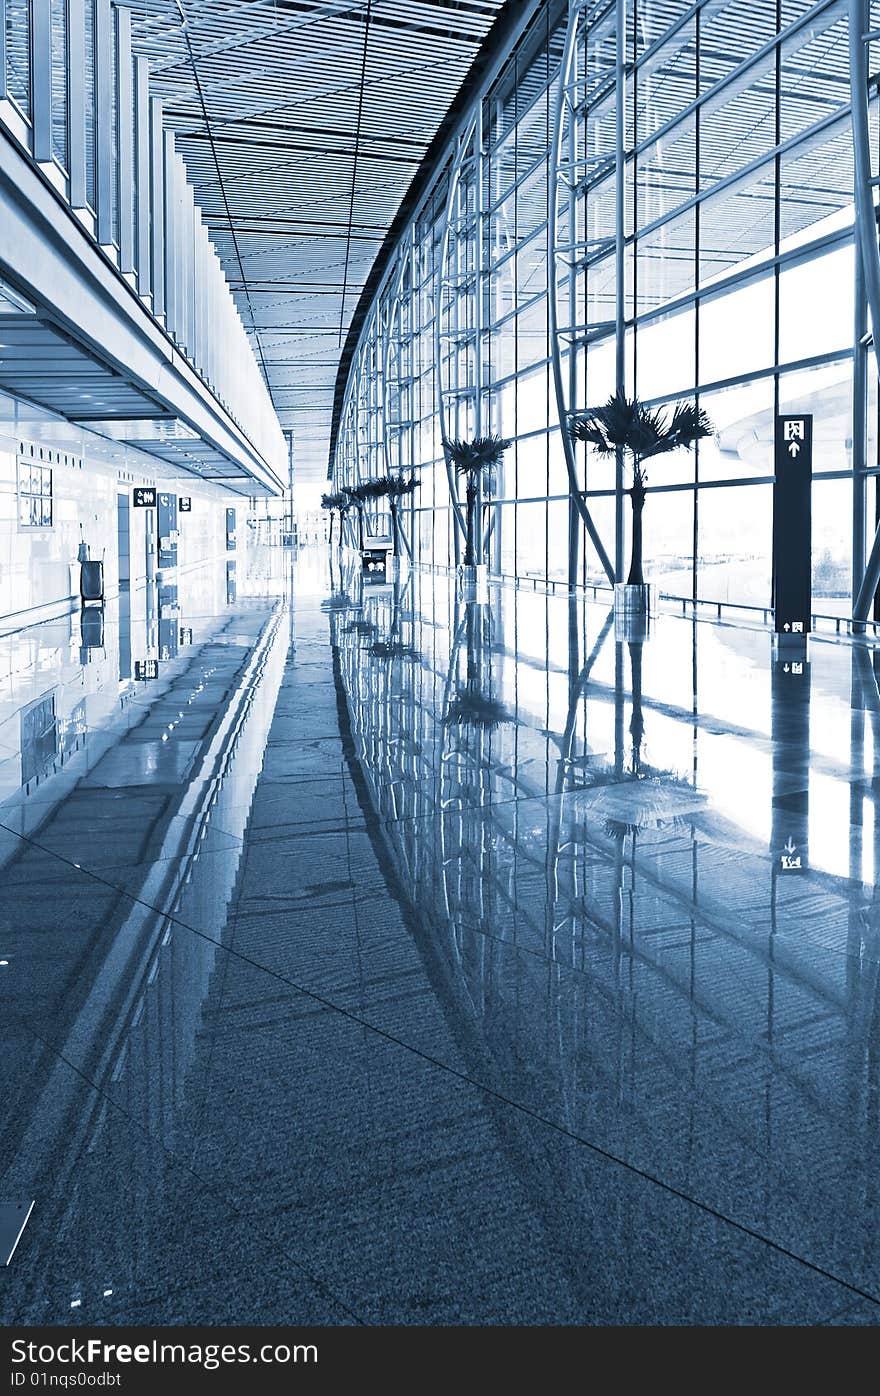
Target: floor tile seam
x,y
489,1091
362,793
553,1126
217,1191
350,900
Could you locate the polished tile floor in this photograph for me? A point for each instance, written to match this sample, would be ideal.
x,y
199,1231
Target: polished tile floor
x,y
389,959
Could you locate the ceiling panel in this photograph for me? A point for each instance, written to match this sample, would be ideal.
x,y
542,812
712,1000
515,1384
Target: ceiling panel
x,y
318,117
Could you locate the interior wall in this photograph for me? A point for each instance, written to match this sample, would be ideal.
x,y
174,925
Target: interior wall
x,y
39,570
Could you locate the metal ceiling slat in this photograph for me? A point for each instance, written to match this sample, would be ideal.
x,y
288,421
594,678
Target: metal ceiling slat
x,y
281,84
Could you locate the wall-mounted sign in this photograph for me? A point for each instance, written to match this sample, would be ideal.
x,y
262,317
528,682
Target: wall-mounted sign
x,y
144,497
184,504
792,524
145,669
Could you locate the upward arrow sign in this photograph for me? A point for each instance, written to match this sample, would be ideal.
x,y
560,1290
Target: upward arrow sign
x,y
793,448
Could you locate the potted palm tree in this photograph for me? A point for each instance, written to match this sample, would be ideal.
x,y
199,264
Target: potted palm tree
x,y
335,504
373,558
640,432
396,488
357,497
475,462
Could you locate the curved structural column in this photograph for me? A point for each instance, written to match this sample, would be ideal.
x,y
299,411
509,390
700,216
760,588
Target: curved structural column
x,y
396,373
860,38
571,166
456,313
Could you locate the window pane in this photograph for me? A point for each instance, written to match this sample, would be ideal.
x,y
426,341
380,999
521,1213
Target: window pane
x,y
59,81
735,528
91,153
666,261
18,53
827,393
814,72
816,306
739,124
743,441
669,538
737,225
666,355
816,187
832,546
736,331
667,172
667,82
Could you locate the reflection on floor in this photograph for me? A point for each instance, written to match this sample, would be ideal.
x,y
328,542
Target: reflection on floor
x,y
390,959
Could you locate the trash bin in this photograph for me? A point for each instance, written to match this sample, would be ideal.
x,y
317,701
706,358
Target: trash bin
x,y
91,581
92,628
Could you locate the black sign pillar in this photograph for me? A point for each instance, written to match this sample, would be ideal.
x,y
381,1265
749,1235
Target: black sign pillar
x,y
790,739
167,525
792,524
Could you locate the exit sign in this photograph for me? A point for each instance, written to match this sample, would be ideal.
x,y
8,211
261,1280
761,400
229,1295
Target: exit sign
x,y
792,524
184,504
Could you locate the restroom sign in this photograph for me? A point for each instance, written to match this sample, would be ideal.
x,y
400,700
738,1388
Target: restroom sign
x,y
144,497
791,858
792,524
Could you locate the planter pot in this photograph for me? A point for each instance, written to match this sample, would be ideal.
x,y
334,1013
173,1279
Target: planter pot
x,y
633,609
473,583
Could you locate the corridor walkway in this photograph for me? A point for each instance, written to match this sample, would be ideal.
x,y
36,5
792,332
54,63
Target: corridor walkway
x,y
395,962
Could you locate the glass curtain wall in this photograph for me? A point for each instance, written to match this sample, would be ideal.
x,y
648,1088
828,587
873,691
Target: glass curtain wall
x,y
738,289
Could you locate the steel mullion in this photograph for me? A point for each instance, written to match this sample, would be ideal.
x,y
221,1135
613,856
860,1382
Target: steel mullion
x,y
41,79
169,204
105,61
157,187
753,60
143,179
124,143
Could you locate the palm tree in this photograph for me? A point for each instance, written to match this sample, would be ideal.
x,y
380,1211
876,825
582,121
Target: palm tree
x,y
357,496
373,489
395,488
328,502
335,503
476,461
642,433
